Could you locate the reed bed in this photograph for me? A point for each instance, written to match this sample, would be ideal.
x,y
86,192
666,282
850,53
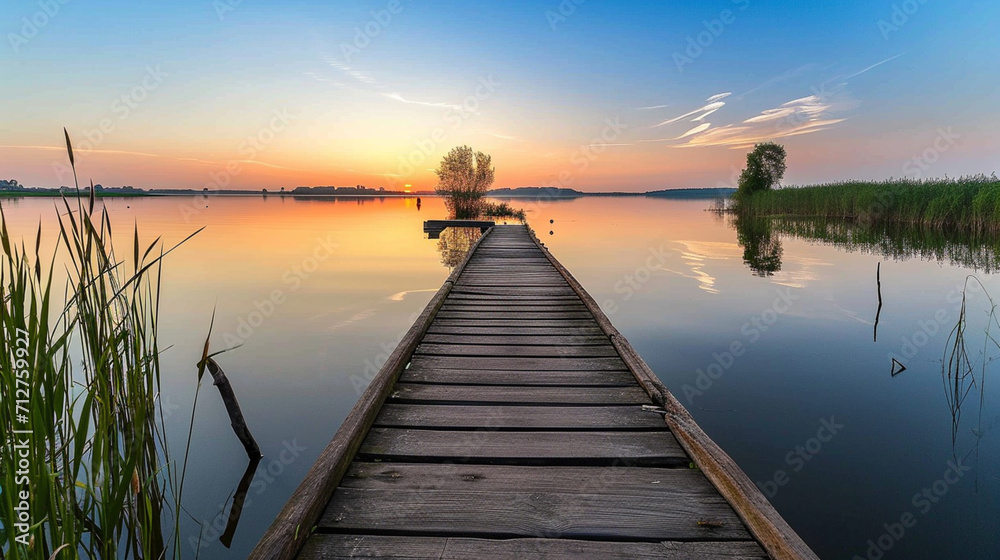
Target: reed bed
x,y
81,382
971,204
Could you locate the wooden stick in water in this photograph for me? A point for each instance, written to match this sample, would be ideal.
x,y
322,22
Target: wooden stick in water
x,y
233,408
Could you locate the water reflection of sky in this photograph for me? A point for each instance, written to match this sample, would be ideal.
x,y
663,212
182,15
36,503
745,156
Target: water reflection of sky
x,y
673,279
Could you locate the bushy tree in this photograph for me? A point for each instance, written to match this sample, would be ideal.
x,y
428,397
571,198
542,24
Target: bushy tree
x,y
765,168
463,179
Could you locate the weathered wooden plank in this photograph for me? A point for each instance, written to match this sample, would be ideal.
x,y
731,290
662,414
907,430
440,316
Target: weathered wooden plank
x,y
527,329
522,378
527,514
524,448
517,340
518,364
429,349
622,480
337,547
550,307
488,316
497,323
527,417
552,396
474,299
512,291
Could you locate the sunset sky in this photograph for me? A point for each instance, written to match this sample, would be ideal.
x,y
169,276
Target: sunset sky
x,y
592,95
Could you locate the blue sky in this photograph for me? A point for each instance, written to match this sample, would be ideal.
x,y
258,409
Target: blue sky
x,y
853,89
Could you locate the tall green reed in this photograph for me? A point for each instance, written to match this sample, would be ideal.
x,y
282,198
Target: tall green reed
x,y
971,204
97,473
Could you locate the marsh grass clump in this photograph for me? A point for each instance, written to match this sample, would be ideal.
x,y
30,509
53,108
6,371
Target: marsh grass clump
x,y
502,210
971,204
81,382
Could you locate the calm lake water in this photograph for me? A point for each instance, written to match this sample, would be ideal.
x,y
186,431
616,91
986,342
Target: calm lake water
x,y
766,337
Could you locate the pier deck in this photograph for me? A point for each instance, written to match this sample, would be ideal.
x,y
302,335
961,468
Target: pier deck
x,y
514,421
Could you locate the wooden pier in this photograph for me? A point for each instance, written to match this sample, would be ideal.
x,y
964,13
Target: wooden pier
x,y
515,421
433,228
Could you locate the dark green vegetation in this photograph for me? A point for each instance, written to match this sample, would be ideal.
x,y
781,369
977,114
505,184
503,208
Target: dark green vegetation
x,y
502,210
970,204
81,380
760,238
765,168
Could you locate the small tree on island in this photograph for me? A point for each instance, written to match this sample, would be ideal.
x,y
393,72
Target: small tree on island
x,y
765,168
463,180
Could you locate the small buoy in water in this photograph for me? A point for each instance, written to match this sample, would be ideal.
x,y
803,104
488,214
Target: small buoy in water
x,y
551,232
552,221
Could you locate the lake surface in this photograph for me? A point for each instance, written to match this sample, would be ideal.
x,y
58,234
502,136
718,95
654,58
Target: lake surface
x,y
767,338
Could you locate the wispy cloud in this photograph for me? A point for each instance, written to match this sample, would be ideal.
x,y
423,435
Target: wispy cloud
x,y
719,96
502,136
695,130
81,150
702,112
652,107
358,75
805,115
401,99
873,66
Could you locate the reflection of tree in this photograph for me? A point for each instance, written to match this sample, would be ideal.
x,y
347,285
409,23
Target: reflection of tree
x,y
761,245
899,241
455,243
